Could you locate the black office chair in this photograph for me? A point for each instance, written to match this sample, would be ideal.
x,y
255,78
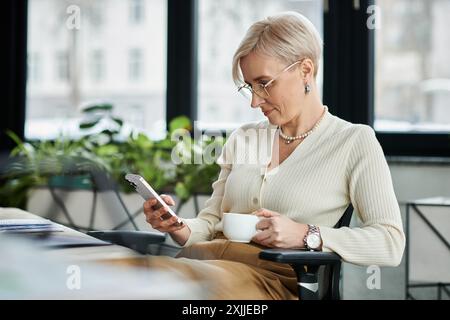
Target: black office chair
x,y
318,273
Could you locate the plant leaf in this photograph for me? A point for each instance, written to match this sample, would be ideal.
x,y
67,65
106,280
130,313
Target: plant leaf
x,y
98,107
118,121
181,122
87,125
107,150
182,191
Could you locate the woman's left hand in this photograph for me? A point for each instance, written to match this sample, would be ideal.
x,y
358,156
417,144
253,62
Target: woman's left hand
x,y
278,231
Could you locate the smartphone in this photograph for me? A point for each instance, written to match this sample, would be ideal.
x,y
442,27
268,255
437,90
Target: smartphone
x,y
147,192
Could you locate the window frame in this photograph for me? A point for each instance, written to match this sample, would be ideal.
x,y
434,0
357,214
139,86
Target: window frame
x,y
349,95
182,55
350,47
13,63
409,144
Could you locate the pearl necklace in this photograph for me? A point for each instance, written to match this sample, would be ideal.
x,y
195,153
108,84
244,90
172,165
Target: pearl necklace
x,y
288,139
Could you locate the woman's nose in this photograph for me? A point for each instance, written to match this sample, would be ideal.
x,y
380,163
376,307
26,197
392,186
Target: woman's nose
x,y
256,100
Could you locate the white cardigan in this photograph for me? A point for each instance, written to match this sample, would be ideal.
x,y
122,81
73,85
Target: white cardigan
x,y
338,163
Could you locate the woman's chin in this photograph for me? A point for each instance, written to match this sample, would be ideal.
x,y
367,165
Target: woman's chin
x,y
274,120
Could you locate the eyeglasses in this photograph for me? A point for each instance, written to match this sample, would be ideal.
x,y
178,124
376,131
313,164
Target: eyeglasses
x,y
262,91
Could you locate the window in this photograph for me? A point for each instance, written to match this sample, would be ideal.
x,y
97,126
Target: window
x,y
137,11
97,65
94,13
412,75
219,103
135,64
137,114
34,67
62,66
105,63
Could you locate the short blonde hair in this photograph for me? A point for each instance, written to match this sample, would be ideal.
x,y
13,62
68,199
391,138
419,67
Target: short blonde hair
x,y
288,36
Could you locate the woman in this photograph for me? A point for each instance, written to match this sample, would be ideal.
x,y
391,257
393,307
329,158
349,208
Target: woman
x,y
319,164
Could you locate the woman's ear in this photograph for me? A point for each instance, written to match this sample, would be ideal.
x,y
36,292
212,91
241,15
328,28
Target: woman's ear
x,y
307,69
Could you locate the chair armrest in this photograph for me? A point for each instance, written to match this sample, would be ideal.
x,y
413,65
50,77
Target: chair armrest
x,y
291,256
309,285
136,240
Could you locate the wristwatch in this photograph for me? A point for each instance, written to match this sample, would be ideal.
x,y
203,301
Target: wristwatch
x,y
312,239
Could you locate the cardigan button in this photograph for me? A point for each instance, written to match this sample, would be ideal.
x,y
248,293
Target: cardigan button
x,y
255,200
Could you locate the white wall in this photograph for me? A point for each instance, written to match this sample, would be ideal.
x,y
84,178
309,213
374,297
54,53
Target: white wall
x,y
429,259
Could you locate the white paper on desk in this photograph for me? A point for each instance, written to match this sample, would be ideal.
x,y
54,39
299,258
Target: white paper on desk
x,y
20,222
28,225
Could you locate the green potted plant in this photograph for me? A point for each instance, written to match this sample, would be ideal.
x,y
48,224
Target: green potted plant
x,y
66,162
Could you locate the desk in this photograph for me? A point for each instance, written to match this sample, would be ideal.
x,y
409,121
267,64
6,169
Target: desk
x,y
413,207
93,253
107,272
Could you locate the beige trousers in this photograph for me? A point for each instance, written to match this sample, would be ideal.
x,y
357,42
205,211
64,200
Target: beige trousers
x,y
232,270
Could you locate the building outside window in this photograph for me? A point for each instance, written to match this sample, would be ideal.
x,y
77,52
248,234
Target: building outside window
x,y
136,11
62,66
412,72
102,60
135,64
34,67
97,65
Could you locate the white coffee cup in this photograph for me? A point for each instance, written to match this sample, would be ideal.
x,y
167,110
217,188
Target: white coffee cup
x,y
239,227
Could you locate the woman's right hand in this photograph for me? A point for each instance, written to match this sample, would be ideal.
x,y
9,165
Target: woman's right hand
x,y
153,217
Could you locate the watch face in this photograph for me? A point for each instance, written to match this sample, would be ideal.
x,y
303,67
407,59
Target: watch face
x,y
313,241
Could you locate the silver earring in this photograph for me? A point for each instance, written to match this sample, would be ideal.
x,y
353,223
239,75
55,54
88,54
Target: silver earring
x,y
307,88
